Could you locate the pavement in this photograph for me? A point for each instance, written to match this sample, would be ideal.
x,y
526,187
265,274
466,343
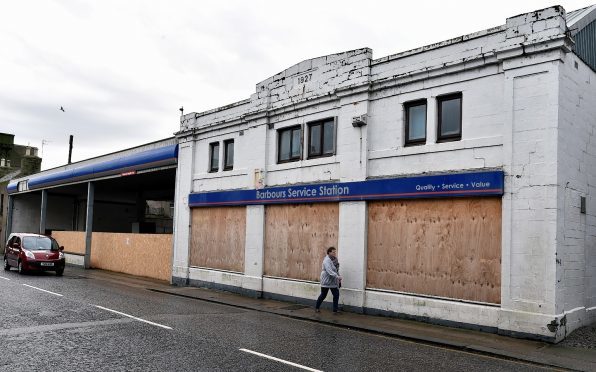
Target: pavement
x,y
577,352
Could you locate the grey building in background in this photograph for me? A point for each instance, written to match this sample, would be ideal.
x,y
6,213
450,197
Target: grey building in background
x,y
15,161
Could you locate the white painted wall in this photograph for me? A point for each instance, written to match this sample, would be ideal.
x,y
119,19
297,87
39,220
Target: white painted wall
x,y
526,110
182,221
353,220
529,203
255,242
576,156
482,128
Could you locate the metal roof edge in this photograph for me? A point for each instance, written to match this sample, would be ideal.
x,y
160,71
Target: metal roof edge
x,y
578,19
158,156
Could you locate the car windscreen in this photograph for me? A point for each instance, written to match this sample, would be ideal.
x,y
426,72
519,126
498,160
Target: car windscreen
x,y
38,243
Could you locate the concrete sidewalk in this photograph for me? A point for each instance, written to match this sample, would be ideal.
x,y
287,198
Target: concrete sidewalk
x,y
575,358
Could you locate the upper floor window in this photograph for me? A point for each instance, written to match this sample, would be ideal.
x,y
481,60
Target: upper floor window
x,y
228,154
214,157
321,139
415,120
449,109
289,147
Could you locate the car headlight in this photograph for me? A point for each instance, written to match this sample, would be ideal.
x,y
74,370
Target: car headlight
x,y
60,255
29,254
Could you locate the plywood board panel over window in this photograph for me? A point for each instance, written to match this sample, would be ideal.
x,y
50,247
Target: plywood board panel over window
x,y
297,237
148,255
448,248
73,241
218,238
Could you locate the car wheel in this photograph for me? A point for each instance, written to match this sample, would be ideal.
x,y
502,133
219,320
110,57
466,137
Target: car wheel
x,y
6,265
20,267
59,272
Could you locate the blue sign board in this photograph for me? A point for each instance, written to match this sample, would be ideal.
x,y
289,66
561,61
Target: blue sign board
x,y
447,185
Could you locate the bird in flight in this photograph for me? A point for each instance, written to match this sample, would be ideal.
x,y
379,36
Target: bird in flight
x,y
61,109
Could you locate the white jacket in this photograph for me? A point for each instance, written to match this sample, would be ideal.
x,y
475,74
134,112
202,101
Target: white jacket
x,y
329,275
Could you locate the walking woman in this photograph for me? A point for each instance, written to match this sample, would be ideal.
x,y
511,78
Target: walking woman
x,y
330,279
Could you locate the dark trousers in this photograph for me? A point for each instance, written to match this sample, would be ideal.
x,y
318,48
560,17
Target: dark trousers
x,y
324,291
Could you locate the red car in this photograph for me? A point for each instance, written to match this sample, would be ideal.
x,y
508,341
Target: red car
x,y
33,252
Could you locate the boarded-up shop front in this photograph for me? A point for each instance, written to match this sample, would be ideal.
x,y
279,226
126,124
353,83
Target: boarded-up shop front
x,y
148,255
406,236
297,237
438,247
218,238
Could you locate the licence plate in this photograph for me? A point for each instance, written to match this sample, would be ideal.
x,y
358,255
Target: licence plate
x,y
47,264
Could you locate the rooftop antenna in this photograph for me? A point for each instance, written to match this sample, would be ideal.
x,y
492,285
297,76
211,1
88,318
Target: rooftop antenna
x,y
43,143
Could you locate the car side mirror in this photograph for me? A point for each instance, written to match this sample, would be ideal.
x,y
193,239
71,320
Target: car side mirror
x,y
61,248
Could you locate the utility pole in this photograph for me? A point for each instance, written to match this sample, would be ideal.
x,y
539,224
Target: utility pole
x,y
70,149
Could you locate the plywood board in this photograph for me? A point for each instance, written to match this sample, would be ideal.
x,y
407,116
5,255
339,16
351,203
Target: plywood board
x,y
218,238
297,237
73,241
443,247
148,255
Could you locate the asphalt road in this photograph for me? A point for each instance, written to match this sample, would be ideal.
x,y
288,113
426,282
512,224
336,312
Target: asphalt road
x,y
73,323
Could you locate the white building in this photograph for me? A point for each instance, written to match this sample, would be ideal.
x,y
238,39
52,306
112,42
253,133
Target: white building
x,y
457,180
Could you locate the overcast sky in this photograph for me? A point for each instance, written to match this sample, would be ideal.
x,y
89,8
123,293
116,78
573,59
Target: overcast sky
x,y
121,69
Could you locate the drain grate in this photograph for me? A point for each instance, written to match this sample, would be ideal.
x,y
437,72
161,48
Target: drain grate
x,y
294,307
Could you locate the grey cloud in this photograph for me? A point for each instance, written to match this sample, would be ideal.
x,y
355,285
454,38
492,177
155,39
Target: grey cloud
x,y
92,128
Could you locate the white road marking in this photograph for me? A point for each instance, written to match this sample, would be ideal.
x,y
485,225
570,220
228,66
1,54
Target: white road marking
x,y
1,277
43,290
280,360
133,317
